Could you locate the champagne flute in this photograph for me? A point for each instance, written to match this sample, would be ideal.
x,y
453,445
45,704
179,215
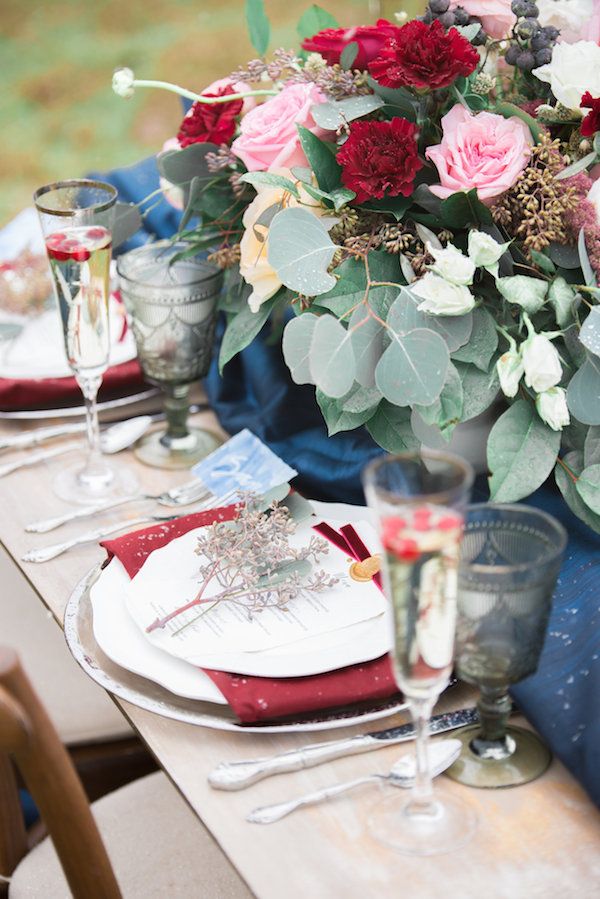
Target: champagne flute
x,y
76,218
419,501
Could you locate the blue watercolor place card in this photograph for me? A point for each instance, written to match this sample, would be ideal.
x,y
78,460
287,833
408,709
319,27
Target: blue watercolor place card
x,y
242,464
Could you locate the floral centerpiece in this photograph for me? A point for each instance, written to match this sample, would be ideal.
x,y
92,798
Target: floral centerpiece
x,y
421,196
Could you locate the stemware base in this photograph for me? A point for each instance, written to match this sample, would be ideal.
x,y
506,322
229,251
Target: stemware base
x,y
452,825
68,485
529,759
182,452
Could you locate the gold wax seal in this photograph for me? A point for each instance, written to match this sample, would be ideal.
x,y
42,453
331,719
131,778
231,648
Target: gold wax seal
x,y
365,570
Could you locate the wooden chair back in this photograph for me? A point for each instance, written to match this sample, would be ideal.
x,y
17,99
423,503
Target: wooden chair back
x,y
28,737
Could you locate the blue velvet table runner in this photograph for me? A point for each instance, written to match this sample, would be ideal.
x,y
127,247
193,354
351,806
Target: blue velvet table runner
x,y
562,700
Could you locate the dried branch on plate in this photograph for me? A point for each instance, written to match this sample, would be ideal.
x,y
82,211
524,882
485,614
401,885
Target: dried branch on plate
x,y
251,563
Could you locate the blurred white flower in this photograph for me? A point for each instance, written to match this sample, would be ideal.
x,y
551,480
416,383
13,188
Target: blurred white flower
x,y
123,83
541,361
575,69
552,408
452,265
441,297
485,251
510,370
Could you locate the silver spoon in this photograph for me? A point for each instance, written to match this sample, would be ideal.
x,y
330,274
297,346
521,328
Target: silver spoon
x,y
184,495
402,774
114,439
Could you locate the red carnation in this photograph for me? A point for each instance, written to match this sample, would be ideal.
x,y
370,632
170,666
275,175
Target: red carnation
x,y
370,39
424,56
379,158
591,123
210,122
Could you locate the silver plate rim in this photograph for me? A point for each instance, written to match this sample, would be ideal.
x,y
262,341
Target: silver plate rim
x,y
201,714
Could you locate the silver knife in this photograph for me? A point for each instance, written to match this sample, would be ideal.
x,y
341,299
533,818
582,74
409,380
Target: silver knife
x,y
237,775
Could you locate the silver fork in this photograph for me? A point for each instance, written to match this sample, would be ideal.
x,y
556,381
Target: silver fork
x,y
185,494
51,552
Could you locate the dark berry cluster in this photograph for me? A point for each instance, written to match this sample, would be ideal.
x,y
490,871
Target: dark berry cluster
x,y
530,45
440,9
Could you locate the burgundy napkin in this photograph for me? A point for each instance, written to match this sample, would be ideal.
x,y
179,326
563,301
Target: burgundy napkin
x,y
262,698
40,393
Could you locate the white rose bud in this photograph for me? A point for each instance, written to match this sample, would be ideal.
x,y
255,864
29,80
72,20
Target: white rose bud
x,y
552,408
510,370
485,251
452,265
122,83
440,297
542,363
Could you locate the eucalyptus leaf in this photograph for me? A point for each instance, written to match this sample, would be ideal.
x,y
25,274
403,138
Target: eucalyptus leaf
x,y
300,251
359,399
588,487
590,331
343,297
332,365
243,328
399,98
482,343
583,392
567,256
390,427
427,236
567,486
428,435
296,344
337,418
521,453
180,166
584,260
366,334
313,20
580,165
528,293
127,222
464,208
332,114
404,316
413,368
469,31
348,55
271,179
544,262
446,411
561,296
591,447
258,25
480,389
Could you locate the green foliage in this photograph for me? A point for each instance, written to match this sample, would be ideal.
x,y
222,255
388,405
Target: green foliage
x,y
181,166
528,293
583,392
482,343
464,209
339,414
332,365
590,331
243,328
413,369
521,453
332,114
259,28
300,251
315,19
322,160
296,344
390,427
566,474
272,180
480,389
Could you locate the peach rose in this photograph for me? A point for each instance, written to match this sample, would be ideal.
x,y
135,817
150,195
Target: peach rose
x,y
485,151
268,135
496,16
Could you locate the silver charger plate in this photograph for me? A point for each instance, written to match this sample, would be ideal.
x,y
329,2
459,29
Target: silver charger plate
x,y
147,695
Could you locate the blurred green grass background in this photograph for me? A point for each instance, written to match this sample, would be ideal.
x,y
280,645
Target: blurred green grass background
x,y
58,115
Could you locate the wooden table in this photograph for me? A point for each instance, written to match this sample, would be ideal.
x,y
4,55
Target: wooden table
x,y
540,840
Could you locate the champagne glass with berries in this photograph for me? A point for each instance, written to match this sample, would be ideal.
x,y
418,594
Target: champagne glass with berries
x,y
76,218
419,501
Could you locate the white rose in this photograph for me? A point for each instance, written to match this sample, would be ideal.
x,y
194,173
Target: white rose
x,y
569,16
594,197
510,370
575,69
440,297
552,408
452,265
485,251
122,83
542,363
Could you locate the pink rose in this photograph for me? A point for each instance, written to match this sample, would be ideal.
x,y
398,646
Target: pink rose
x,y
495,15
268,134
485,151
